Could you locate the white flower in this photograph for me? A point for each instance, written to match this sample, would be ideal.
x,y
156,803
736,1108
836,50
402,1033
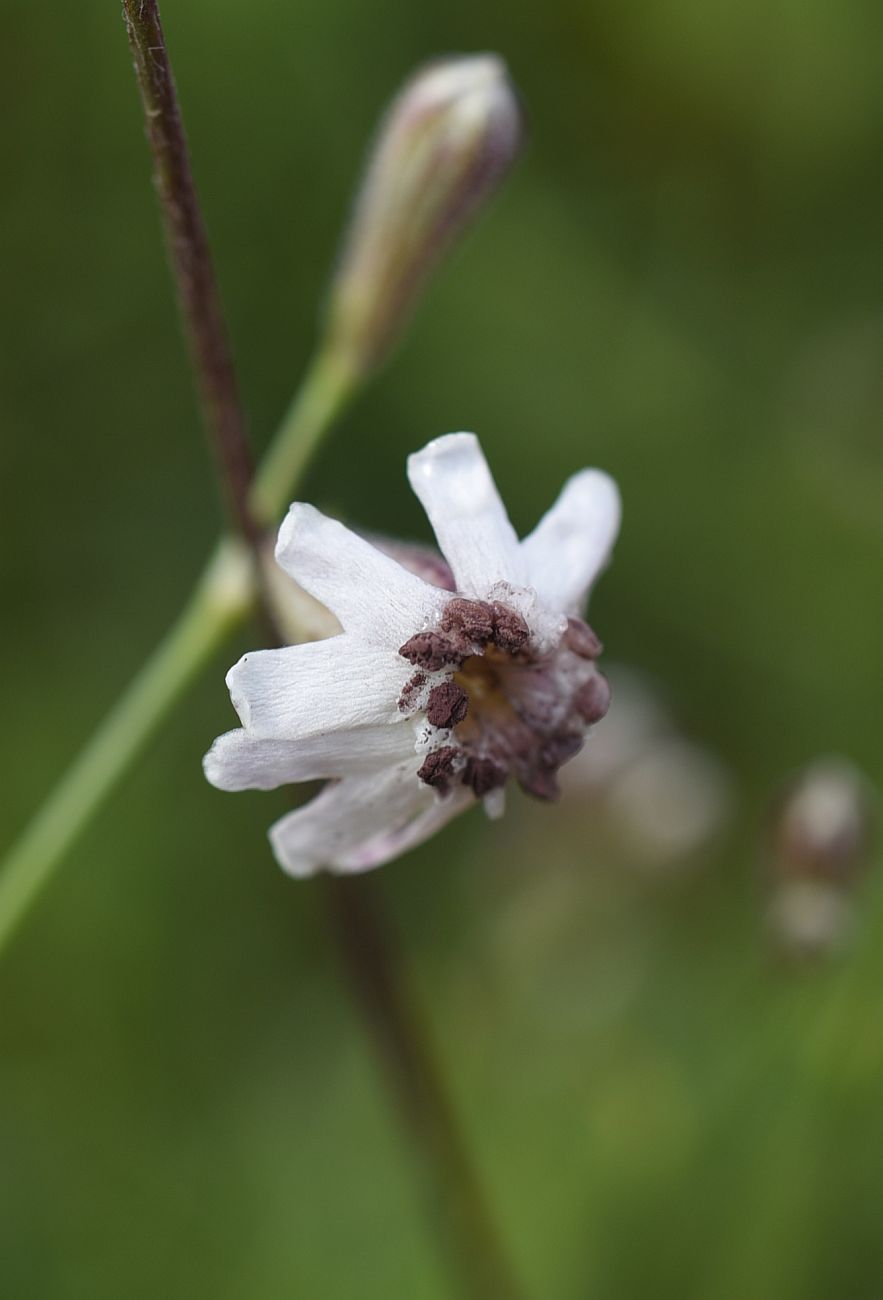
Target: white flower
x,y
431,696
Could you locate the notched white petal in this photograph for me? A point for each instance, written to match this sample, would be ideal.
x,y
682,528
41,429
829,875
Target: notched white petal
x,y
368,592
240,761
572,542
303,690
454,484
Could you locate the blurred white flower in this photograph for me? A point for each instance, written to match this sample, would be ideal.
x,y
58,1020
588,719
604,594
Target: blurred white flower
x,y
824,826
664,797
669,802
434,693
822,838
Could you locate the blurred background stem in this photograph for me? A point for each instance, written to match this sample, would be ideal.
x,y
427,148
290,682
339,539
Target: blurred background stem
x,y
376,975
378,979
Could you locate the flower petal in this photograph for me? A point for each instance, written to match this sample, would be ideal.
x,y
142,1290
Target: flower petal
x,y
240,761
303,690
572,542
452,480
367,591
392,844
346,816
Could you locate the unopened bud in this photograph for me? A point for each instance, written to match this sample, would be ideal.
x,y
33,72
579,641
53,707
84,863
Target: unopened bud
x,y
822,837
446,142
824,826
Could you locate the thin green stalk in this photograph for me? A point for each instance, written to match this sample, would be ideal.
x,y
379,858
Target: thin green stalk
x,y
214,608
212,612
327,387
222,598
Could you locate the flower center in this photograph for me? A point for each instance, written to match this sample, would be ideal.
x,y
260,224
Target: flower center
x,y
480,677
496,705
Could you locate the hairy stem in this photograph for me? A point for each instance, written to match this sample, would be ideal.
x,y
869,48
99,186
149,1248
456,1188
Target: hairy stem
x,y
191,262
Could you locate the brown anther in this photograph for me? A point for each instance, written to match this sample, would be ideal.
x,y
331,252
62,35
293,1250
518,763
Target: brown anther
x,y
483,775
438,768
592,700
580,638
432,651
472,620
448,704
510,629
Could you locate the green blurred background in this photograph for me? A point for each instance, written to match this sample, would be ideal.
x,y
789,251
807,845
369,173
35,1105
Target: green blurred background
x,y
681,283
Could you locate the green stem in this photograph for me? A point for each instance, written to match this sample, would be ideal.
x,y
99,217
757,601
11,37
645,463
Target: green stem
x,y
222,598
327,386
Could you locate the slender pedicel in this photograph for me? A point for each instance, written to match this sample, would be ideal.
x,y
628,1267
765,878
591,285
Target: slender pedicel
x,y
191,260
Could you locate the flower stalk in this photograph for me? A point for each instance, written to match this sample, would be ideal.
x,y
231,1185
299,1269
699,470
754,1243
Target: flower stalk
x,y
223,597
326,390
221,600
378,981
199,299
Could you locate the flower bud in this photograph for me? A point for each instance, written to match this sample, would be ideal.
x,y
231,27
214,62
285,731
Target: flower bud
x,y
446,142
822,838
664,798
823,829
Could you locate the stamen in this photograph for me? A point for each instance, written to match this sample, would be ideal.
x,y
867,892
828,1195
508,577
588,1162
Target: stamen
x,y
580,638
433,650
472,620
437,769
510,629
512,709
448,704
484,775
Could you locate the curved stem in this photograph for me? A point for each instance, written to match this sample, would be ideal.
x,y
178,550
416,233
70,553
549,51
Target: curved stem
x,y
224,595
327,387
221,599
